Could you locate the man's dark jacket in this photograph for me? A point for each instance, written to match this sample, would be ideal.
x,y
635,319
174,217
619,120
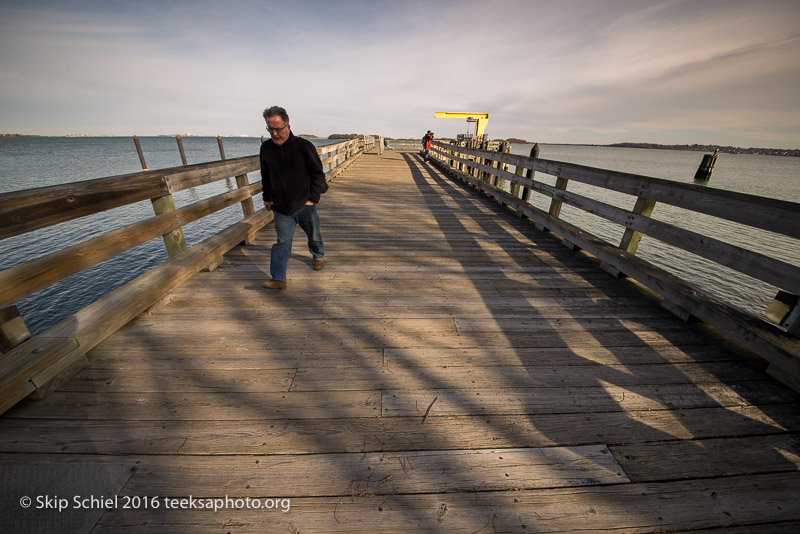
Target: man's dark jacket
x,y
291,174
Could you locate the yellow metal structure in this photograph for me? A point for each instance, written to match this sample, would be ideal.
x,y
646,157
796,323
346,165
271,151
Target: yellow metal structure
x,y
481,118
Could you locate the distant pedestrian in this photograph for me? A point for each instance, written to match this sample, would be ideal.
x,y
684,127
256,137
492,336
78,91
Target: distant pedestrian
x,y
426,144
293,180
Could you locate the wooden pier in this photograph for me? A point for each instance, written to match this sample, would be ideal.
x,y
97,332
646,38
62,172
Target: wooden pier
x,y
451,369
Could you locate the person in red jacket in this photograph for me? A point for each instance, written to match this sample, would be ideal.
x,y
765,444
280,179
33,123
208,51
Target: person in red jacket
x,y
293,180
426,143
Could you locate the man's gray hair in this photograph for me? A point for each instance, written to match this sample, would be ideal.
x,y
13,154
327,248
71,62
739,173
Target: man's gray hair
x,y
276,111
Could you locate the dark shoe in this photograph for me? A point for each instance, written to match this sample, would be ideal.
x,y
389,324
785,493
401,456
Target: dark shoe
x,y
274,284
319,264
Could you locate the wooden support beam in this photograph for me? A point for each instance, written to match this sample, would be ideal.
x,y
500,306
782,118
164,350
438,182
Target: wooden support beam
x,y
631,238
555,205
173,240
248,208
526,192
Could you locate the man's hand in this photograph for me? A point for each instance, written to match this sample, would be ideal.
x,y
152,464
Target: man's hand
x,y
268,206
309,203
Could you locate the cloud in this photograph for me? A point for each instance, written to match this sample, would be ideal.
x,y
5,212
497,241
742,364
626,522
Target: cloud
x,y
553,71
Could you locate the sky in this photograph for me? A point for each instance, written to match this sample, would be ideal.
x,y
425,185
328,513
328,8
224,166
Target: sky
x,y
721,72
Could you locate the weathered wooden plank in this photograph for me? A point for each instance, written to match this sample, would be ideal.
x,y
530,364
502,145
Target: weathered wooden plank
x,y
710,457
277,326
615,508
245,305
180,178
256,338
561,324
240,272
224,353
201,406
181,380
392,327
609,397
654,353
514,377
379,434
408,374
406,472
32,209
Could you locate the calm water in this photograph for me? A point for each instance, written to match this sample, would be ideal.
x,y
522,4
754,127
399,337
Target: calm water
x,y
35,162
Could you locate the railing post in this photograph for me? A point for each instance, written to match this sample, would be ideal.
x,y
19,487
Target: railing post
x,y
526,193
497,164
631,238
486,175
248,208
555,205
221,149
174,240
452,162
515,187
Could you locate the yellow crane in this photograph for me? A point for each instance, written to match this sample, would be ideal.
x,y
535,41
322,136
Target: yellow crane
x,y
482,119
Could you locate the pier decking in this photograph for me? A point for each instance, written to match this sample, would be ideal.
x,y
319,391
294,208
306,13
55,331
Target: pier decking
x,y
452,369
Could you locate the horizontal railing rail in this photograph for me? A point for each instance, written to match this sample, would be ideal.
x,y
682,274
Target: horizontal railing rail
x,y
483,169
35,364
404,144
416,144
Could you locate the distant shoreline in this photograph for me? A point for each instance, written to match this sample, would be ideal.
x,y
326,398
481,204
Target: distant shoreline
x,y
691,148
711,148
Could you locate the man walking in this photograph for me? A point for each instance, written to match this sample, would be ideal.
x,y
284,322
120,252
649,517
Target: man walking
x,y
293,180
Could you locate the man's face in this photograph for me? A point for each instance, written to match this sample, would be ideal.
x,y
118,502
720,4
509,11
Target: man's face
x,y
278,130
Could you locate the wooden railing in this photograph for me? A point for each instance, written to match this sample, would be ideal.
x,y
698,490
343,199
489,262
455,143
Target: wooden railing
x,y
411,145
36,365
483,169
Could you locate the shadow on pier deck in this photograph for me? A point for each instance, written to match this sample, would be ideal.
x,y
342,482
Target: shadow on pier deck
x,y
450,370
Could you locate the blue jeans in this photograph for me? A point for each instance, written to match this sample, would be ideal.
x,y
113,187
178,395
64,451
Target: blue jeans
x,y
308,219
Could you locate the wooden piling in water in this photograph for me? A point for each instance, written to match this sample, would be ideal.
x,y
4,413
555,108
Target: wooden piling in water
x,y
183,154
139,150
706,166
